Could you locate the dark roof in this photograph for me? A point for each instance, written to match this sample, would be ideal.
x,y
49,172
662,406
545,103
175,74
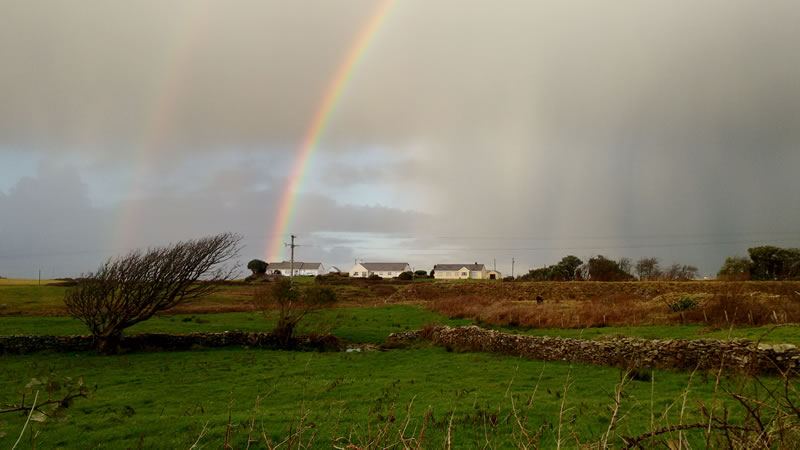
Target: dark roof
x,y
298,265
385,267
475,266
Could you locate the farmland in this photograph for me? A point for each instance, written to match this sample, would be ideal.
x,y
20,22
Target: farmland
x,y
169,400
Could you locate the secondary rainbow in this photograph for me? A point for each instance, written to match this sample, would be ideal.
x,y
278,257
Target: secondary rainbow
x,y
317,126
177,57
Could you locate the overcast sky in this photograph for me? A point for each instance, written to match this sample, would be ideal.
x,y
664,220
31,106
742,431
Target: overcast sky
x,y
468,131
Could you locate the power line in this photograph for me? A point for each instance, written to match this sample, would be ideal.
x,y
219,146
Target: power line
x,y
593,247
447,249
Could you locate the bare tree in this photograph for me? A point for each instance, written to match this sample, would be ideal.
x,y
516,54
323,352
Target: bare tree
x,y
132,288
648,269
678,272
292,305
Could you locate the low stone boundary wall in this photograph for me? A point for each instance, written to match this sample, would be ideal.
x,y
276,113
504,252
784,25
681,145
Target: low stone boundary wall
x,y
164,341
739,355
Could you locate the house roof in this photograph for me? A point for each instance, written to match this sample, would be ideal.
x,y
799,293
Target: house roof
x,y
298,265
475,266
385,267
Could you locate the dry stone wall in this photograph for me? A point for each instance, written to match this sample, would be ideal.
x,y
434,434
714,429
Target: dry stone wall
x,y
163,341
738,355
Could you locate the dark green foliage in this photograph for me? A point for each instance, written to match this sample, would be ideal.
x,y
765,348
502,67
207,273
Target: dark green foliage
x,y
735,268
257,266
406,276
565,270
421,273
774,263
601,268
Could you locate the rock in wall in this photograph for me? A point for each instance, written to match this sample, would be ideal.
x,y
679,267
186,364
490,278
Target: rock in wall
x,y
740,355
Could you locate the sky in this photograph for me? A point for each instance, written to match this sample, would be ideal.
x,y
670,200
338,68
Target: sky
x,y
467,130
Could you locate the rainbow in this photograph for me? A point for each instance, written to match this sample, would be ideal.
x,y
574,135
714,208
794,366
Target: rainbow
x,y
177,58
317,126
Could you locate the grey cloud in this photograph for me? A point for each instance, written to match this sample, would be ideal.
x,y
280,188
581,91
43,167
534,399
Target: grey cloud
x,y
561,119
54,226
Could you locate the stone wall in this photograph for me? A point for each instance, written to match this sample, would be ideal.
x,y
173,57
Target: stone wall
x,y
739,355
164,341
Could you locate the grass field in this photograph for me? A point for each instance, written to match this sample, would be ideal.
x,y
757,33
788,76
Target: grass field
x,y
374,324
165,400
157,400
362,325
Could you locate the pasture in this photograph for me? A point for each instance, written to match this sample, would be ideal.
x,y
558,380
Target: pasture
x,y
372,399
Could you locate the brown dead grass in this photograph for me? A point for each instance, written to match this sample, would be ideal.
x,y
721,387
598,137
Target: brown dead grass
x,y
718,305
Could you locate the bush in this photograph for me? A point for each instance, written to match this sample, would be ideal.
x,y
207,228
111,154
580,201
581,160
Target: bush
x,y
684,304
406,276
421,273
292,304
257,266
601,268
374,277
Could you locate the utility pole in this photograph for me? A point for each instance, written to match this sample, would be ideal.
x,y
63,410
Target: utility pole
x,y
291,264
494,264
512,267
40,276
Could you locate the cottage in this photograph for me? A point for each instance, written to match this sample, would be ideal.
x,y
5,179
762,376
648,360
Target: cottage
x,y
383,270
300,268
494,275
460,272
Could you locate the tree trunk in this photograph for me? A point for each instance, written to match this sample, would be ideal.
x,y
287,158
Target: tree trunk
x,y
108,344
284,331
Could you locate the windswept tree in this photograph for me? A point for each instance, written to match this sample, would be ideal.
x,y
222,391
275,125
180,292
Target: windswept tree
x,y
292,305
132,288
735,268
678,272
648,269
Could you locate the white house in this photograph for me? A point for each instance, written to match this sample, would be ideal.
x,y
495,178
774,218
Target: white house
x,y
383,270
460,272
300,268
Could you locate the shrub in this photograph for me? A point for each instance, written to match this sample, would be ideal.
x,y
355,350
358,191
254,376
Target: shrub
x,y
421,273
374,277
292,305
601,268
406,276
684,304
257,266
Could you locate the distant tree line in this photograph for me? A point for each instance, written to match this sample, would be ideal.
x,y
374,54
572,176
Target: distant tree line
x,y
600,268
763,263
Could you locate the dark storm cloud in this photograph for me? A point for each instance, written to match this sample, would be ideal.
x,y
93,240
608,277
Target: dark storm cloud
x,y
635,121
49,222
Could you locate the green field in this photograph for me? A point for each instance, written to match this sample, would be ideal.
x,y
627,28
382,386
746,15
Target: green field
x,y
166,399
362,325
374,324
163,400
